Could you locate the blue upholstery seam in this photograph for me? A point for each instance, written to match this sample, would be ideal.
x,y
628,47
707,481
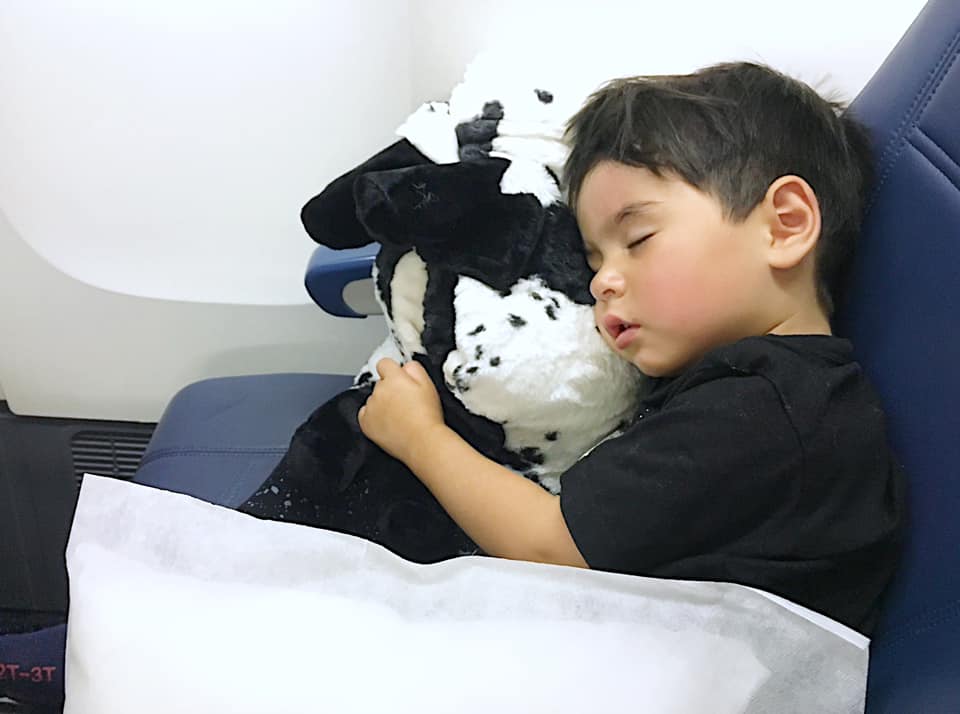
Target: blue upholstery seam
x,y
928,149
167,453
918,625
895,146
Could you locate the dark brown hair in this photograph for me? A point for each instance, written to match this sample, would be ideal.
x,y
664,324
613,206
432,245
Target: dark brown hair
x,y
730,130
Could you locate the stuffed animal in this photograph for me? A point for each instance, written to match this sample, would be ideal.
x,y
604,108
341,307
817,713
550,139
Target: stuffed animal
x,y
482,279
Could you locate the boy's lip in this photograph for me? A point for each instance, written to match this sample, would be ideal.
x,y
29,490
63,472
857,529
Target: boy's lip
x,y
620,330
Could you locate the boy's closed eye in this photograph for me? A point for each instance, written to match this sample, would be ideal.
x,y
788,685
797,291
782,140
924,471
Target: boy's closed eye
x,y
594,259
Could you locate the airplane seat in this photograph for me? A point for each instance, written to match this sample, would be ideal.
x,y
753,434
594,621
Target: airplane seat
x,y
219,438
901,310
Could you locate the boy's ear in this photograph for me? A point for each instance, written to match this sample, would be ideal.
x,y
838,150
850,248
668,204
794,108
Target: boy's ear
x,y
793,221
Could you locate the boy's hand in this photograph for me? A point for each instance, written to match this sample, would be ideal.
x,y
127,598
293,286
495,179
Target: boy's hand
x,y
403,410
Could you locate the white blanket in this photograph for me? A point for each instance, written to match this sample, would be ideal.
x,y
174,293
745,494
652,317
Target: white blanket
x,y
180,606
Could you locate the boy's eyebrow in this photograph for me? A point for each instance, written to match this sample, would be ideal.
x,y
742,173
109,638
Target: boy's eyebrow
x,y
635,207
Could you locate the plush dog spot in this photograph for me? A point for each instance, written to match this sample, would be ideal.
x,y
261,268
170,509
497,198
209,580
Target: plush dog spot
x,y
516,320
459,383
494,361
476,330
551,435
536,296
478,353
531,454
551,312
544,96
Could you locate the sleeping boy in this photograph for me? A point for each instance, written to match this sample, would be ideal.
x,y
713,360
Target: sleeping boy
x,y
719,211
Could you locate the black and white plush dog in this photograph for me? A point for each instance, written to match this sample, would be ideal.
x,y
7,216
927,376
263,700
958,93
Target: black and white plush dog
x,y
482,279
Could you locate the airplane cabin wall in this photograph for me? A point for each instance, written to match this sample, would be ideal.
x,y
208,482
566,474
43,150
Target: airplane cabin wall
x,y
155,156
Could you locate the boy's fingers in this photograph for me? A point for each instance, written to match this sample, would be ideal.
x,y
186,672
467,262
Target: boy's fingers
x,y
416,370
386,367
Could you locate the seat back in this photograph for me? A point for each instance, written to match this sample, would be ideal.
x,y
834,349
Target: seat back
x,y
901,312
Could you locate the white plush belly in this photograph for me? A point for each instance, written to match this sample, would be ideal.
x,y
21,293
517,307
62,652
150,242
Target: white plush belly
x,y
533,362
407,290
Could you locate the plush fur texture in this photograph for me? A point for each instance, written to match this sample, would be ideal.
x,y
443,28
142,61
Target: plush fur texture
x,y
482,279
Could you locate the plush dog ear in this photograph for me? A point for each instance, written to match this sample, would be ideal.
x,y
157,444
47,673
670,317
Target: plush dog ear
x,y
331,217
455,216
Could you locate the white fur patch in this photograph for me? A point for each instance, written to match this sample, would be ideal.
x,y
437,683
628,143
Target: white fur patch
x,y
388,348
497,372
433,131
524,176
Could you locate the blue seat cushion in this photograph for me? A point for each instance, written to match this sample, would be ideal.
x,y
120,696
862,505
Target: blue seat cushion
x,y
220,438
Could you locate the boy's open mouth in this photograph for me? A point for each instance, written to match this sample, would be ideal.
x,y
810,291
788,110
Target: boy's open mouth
x,y
622,332
615,326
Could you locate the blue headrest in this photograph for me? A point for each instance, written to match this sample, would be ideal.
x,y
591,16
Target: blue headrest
x,y
901,313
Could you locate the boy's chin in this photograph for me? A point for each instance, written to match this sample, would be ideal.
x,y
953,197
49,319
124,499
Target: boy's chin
x,y
650,366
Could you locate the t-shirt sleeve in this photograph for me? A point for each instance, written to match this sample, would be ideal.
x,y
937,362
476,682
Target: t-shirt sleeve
x,y
704,471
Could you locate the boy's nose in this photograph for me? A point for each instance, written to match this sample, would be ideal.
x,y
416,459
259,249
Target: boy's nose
x,y
606,284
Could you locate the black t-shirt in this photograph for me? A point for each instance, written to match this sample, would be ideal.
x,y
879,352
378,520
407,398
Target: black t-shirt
x,y
765,464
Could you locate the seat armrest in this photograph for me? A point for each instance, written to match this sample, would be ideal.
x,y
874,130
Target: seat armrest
x,y
330,272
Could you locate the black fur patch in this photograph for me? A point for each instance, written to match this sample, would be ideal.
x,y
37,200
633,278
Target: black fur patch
x,y
551,312
426,196
544,96
492,110
438,336
532,454
474,152
476,330
478,131
479,352
516,320
495,362
536,296
551,435
364,379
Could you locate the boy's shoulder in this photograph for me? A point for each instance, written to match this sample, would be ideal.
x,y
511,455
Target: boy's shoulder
x,y
787,364
807,384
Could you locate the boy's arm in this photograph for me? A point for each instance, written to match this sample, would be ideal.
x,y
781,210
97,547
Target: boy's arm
x,y
504,513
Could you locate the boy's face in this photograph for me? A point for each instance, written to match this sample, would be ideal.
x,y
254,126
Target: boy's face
x,y
673,278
